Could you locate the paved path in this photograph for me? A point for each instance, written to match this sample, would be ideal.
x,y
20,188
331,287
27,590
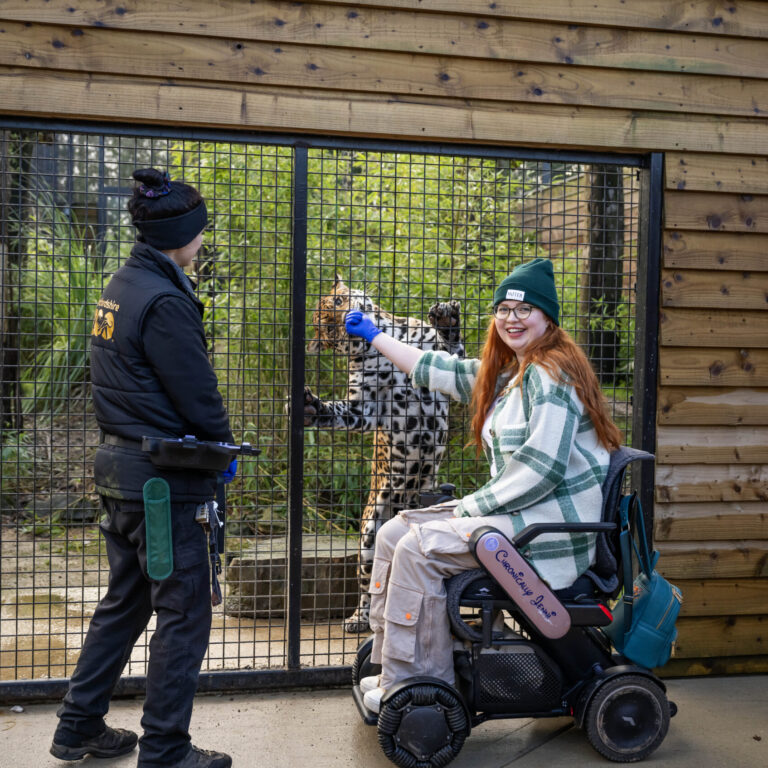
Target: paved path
x,y
721,722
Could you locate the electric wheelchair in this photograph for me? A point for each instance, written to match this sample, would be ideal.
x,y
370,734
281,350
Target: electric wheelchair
x,y
511,662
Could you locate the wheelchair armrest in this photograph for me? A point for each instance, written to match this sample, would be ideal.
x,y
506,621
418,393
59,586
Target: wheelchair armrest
x,y
537,529
444,492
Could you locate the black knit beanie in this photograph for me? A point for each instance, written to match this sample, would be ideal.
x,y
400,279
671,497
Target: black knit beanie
x,y
533,283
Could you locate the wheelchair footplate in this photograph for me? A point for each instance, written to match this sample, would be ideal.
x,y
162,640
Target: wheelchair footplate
x,y
369,717
518,578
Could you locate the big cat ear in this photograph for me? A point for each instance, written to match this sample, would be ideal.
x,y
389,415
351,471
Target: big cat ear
x,y
338,280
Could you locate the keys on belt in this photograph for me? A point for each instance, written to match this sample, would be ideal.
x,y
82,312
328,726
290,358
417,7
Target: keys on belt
x,y
207,514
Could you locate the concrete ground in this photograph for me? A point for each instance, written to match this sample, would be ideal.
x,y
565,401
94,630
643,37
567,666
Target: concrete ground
x,y
722,721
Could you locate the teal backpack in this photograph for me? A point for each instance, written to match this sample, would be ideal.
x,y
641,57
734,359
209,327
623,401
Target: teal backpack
x,y
643,627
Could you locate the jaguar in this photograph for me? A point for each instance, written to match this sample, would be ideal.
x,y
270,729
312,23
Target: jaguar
x,y
409,424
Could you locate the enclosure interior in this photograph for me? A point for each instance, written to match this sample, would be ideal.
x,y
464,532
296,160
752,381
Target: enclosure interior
x,y
405,226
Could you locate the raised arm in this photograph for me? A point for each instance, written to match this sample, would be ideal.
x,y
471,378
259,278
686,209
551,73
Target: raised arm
x,y
404,356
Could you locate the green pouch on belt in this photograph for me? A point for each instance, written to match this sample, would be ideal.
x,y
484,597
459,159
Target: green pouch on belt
x,y
157,520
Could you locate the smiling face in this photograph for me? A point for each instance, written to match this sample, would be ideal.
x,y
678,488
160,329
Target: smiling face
x,y
518,334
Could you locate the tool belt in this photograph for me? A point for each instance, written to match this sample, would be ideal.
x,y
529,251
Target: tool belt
x,y
184,452
120,442
190,453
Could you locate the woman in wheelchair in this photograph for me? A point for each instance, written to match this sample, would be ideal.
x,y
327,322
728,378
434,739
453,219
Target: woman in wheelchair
x,y
540,418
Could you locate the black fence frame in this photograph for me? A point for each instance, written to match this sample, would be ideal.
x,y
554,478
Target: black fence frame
x,y
650,168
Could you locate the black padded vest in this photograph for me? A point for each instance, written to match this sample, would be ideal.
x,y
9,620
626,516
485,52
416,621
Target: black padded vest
x,y
129,398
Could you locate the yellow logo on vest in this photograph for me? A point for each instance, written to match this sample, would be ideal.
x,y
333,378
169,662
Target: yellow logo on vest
x,y
104,319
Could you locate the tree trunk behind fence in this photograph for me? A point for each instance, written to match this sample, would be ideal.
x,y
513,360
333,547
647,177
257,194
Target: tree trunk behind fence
x,y
11,203
602,284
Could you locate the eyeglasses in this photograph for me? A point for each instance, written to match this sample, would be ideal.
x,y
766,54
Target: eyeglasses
x,y
521,311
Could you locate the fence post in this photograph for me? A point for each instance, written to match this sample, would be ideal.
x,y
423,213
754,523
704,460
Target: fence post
x,y
296,437
647,329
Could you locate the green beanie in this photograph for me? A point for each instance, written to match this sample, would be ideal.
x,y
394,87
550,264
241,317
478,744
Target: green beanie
x,y
533,283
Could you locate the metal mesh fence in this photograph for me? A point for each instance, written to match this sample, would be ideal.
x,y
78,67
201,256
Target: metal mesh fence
x,y
400,228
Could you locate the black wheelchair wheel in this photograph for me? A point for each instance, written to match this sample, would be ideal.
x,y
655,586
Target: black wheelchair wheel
x,y
362,666
628,718
422,726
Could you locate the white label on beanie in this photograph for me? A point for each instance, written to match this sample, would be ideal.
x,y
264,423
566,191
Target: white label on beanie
x,y
515,295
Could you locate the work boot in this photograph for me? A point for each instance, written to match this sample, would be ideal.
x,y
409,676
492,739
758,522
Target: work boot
x,y
111,742
204,758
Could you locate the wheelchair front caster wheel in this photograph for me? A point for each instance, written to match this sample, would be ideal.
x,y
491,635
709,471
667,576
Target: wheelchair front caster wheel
x,y
422,725
628,718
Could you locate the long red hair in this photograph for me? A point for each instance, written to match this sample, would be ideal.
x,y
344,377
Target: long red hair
x,y
561,357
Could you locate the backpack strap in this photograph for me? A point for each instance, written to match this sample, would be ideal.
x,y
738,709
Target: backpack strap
x,y
625,543
647,560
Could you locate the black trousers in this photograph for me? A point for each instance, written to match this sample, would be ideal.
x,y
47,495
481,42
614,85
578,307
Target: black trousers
x,y
183,606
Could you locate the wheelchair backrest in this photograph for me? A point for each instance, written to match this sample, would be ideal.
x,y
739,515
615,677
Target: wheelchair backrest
x,y
621,458
606,566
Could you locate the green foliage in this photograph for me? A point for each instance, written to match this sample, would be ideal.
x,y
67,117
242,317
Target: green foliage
x,y
409,229
43,526
16,465
57,307
441,225
620,319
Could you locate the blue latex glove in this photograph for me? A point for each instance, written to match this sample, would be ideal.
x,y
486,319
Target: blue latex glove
x,y
228,475
358,324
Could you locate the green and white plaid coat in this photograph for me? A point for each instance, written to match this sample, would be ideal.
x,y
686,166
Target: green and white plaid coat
x,y
549,465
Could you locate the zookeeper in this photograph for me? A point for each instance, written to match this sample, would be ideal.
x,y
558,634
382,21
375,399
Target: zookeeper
x,y
151,376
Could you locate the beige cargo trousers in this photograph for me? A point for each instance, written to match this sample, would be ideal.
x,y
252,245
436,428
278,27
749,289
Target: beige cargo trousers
x,y
415,552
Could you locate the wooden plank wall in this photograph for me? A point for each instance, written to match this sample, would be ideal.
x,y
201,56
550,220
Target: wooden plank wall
x,y
685,77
